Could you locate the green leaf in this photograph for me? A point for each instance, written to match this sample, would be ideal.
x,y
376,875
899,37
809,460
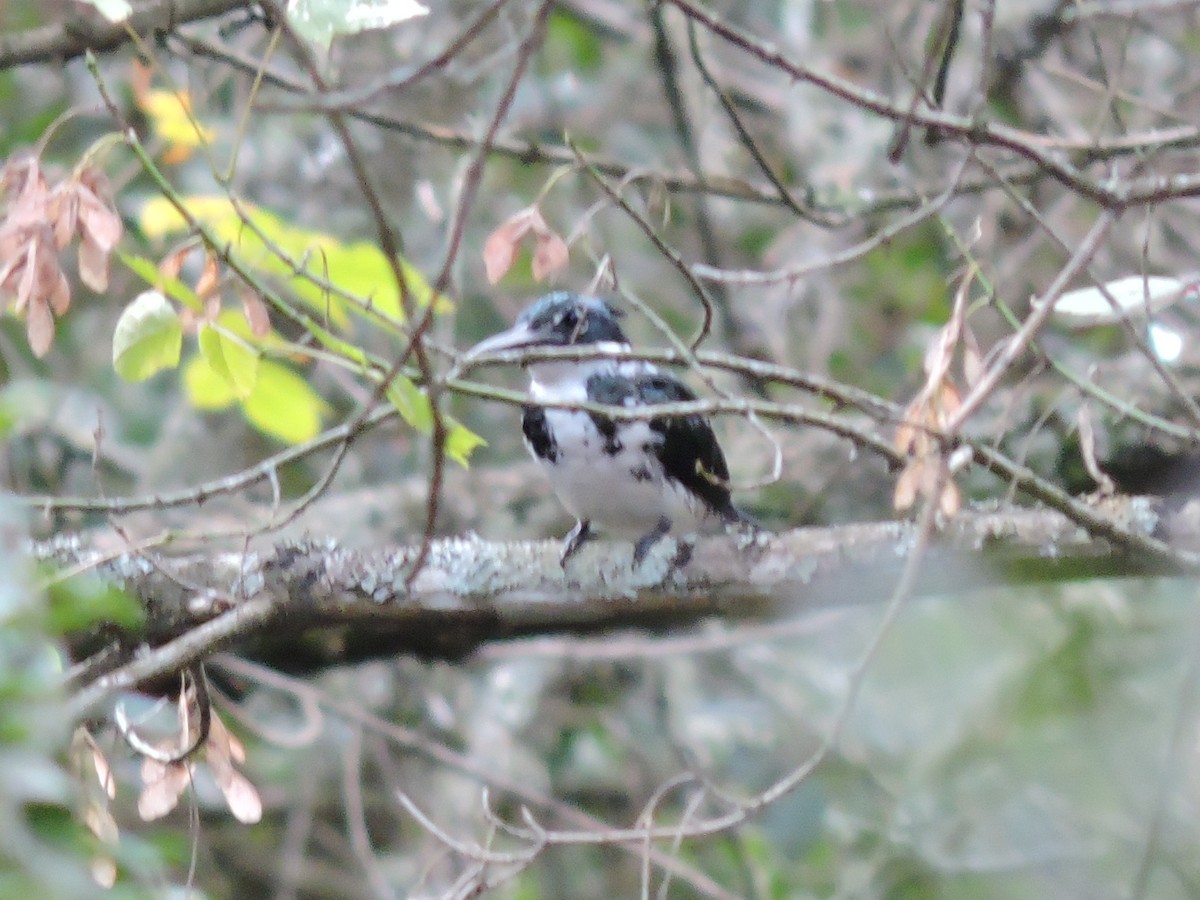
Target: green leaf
x,y
284,405
461,442
321,20
231,358
171,286
77,604
573,45
148,337
206,389
412,403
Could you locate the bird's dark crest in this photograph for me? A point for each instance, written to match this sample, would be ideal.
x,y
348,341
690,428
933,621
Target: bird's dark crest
x,y
574,319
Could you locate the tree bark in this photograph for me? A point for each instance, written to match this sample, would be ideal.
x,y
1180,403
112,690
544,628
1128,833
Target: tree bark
x,y
304,605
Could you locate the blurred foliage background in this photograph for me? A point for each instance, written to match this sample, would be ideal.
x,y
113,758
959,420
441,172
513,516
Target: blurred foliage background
x,y
1025,742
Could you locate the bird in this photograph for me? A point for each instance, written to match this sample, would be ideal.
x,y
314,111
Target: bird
x,y
642,478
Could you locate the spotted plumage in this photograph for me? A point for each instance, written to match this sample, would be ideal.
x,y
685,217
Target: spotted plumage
x,y
640,478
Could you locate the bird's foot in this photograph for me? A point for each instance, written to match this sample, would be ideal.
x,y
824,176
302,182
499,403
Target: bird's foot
x,y
576,538
647,541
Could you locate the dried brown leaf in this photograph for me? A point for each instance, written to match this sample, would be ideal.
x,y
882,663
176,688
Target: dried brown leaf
x,y
907,485
911,436
972,361
948,401
210,278
86,752
1087,449
951,500
550,255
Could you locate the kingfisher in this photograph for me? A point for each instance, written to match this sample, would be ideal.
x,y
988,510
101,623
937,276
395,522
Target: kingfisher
x,y
641,478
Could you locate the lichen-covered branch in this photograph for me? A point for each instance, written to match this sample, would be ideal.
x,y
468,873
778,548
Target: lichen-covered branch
x,y
305,605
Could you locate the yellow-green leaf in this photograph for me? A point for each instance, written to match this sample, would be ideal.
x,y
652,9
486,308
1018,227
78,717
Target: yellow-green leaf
x,y
171,118
308,261
461,442
147,338
206,389
412,403
230,357
283,404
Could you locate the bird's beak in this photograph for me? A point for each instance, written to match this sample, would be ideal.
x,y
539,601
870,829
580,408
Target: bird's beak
x,y
513,339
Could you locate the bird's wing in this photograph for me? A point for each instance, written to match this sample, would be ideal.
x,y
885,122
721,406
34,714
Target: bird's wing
x,y
685,446
689,451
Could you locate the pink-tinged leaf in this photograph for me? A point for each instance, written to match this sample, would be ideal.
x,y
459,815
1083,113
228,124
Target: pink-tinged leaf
x,y
93,178
39,327
164,784
255,311
172,263
101,823
93,265
28,272
98,222
428,201
12,237
24,181
951,500
104,871
242,798
550,255
10,274
500,249
63,211
60,297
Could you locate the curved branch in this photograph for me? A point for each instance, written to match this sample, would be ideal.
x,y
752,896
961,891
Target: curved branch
x,y
85,29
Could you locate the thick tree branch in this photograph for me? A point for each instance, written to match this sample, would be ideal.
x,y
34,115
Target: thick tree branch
x,y
85,29
305,605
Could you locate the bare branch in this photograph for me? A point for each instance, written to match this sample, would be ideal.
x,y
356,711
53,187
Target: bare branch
x,y
85,29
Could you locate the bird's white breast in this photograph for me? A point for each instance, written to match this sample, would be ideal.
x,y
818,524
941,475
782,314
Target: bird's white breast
x,y
625,491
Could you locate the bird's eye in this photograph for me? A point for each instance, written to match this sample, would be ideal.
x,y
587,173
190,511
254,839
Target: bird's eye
x,y
569,318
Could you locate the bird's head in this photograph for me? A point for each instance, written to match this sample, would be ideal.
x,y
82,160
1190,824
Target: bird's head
x,y
561,319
